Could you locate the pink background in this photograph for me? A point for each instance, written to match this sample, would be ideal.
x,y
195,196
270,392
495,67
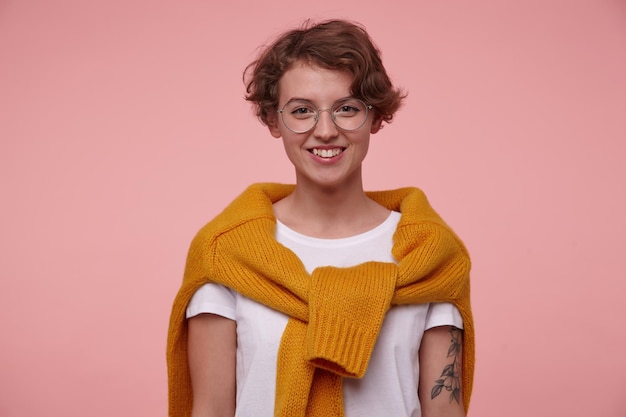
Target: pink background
x,y
123,130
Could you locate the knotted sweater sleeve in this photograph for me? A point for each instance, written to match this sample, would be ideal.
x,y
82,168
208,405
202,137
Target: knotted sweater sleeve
x,y
346,310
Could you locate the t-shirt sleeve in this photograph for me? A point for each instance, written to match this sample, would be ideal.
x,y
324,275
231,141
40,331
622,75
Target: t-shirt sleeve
x,y
212,298
443,314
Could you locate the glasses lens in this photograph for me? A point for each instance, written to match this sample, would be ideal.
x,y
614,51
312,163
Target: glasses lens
x,y
299,116
349,114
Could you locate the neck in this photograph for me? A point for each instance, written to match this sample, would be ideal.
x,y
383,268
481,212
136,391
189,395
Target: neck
x,y
329,212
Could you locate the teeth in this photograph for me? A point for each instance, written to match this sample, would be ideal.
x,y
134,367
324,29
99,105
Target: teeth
x,y
327,153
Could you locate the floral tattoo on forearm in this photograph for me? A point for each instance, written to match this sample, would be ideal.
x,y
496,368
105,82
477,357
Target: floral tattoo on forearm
x,y
450,378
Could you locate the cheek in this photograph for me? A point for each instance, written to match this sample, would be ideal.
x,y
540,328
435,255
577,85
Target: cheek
x,y
292,146
362,139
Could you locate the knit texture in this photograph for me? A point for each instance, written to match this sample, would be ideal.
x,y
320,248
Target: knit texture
x,y
335,313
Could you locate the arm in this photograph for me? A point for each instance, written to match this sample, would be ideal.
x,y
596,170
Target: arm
x,y
440,372
212,351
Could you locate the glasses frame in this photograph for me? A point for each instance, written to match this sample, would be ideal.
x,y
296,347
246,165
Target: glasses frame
x,y
368,107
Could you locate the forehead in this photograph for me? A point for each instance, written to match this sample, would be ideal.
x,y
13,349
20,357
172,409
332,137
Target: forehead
x,y
313,83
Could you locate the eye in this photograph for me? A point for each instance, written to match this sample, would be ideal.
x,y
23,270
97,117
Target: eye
x,y
348,108
300,110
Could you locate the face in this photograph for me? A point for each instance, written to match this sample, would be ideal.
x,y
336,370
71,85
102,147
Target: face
x,y
325,156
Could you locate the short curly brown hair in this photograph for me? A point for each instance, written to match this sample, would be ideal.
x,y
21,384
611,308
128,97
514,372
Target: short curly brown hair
x,y
332,44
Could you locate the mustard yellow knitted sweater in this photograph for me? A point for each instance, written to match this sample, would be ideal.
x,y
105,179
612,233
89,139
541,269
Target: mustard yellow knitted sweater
x,y
335,313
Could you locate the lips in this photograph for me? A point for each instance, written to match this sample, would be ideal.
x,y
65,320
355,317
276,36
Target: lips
x,y
326,153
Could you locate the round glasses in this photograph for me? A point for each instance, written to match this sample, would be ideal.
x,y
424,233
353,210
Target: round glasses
x,y
300,116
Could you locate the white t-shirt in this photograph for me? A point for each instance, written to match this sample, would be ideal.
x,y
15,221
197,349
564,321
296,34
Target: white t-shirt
x,y
389,387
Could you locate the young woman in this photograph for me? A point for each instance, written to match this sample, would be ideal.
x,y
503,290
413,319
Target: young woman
x,y
321,299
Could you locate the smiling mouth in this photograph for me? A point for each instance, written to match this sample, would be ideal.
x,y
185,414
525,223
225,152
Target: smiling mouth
x,y
326,153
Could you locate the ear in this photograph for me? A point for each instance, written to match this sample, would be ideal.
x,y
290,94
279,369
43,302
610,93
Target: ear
x,y
272,125
377,124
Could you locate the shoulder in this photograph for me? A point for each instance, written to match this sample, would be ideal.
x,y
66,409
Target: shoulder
x,y
254,203
411,202
420,224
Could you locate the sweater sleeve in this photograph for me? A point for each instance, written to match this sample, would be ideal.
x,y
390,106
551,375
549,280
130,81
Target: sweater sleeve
x,y
346,312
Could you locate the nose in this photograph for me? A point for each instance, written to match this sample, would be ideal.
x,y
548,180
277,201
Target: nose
x,y
325,128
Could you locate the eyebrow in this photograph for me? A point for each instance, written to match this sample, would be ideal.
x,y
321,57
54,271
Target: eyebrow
x,y
311,102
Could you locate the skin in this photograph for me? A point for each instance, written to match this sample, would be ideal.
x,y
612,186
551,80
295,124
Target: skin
x,y
328,202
